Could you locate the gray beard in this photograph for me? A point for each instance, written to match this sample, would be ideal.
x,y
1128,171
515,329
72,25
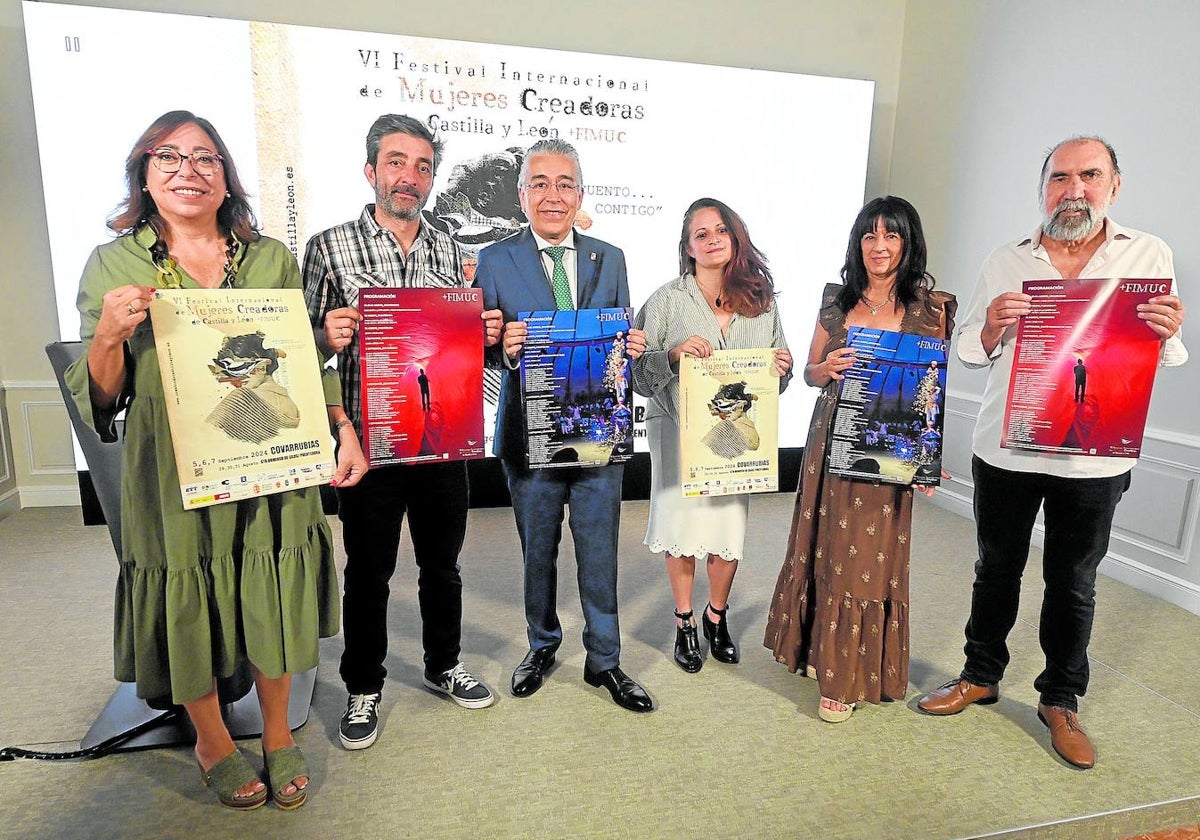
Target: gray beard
x,y
398,211
1073,230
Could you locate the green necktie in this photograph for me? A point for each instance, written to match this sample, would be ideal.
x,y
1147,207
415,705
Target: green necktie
x,y
558,280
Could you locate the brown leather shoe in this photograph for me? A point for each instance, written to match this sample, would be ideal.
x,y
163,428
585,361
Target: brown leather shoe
x,y
1067,736
956,695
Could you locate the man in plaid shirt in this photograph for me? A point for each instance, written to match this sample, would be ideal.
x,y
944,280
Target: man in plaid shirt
x,y
390,246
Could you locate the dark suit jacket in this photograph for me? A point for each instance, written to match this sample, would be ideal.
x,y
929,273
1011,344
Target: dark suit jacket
x,y
512,278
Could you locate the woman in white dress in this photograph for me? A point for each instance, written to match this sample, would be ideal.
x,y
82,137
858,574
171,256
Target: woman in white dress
x,y
723,299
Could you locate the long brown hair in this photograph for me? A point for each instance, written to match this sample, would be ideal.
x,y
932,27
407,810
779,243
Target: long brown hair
x,y
138,208
748,284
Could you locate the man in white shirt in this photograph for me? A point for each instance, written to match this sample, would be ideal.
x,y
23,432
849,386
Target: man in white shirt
x,y
1079,494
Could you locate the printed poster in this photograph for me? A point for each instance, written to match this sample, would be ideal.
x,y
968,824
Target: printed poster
x,y
242,383
421,362
887,425
575,388
729,423
1084,368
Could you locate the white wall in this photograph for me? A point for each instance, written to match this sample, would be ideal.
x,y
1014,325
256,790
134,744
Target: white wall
x,y
985,89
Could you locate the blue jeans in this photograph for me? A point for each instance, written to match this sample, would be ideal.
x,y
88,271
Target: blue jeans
x,y
1078,519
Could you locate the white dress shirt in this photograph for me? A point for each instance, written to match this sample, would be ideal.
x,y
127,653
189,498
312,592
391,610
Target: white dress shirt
x,y
570,262
1124,253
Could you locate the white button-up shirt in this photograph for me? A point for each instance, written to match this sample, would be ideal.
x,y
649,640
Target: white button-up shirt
x,y
1124,253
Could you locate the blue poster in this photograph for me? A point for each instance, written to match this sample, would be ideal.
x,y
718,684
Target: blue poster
x,y
575,388
888,422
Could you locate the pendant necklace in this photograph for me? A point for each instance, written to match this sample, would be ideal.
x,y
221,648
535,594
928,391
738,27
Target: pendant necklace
x,y
716,300
875,309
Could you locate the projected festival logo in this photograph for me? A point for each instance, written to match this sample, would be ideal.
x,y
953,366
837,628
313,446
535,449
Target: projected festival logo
x,y
293,104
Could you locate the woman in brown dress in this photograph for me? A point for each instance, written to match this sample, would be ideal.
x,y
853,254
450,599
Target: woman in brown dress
x,y
840,608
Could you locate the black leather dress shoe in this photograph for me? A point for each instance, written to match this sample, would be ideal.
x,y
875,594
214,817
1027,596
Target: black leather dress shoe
x,y
720,645
527,678
625,691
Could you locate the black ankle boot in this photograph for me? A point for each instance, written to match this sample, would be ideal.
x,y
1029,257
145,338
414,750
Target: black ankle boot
x,y
687,644
720,645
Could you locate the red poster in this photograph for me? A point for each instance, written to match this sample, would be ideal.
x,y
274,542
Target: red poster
x,y
1084,368
421,361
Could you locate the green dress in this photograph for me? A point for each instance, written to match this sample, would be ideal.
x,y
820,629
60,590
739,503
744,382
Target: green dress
x,y
200,591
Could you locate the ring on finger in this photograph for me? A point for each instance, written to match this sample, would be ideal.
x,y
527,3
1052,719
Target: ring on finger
x,y
132,309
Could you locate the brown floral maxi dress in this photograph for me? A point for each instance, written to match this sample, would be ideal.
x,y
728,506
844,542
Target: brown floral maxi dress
x,y
841,601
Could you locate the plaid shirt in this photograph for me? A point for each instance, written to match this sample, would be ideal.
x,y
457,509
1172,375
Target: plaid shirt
x,y
363,255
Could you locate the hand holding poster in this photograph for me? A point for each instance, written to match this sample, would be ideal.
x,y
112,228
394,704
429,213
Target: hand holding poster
x,y
575,388
421,358
1084,368
729,423
888,422
242,385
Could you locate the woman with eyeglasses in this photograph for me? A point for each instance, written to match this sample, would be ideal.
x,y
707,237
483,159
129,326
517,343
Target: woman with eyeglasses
x,y
723,299
201,591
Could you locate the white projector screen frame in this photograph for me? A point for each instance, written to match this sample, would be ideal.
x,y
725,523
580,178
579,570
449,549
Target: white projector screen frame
x,y
293,103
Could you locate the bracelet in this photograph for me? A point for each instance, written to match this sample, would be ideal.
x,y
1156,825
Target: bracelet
x,y
339,425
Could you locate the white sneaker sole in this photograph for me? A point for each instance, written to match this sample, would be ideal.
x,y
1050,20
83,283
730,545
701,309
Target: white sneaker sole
x,y
481,703
361,743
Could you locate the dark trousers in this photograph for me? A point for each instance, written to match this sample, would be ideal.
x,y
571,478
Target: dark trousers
x,y
593,496
1078,519
435,498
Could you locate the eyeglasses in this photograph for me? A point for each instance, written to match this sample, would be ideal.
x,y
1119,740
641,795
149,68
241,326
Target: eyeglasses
x,y
169,161
541,188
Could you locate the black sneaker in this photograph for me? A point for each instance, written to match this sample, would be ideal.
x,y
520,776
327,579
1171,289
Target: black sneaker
x,y
462,687
360,724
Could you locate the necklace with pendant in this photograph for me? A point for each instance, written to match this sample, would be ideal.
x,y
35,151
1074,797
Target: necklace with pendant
x,y
875,308
716,300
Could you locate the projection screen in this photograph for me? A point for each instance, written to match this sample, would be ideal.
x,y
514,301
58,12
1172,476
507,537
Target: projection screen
x,y
294,103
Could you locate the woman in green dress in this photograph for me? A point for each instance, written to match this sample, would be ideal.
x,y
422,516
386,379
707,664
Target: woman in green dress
x,y
202,591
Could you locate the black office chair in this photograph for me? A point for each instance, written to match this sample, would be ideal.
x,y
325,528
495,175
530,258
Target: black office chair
x,y
125,710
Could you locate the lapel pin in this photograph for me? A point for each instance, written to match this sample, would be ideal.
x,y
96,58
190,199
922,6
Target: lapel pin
x,y
592,256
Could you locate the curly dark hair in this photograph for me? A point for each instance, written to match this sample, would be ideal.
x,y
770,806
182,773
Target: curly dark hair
x,y
137,208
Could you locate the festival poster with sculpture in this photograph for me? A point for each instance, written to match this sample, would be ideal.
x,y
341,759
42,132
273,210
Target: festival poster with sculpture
x,y
242,385
887,425
729,423
1084,368
421,361
575,387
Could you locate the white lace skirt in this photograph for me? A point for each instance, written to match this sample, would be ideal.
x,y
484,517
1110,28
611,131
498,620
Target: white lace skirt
x,y
698,526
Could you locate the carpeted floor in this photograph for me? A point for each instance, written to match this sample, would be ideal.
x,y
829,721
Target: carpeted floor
x,y
734,751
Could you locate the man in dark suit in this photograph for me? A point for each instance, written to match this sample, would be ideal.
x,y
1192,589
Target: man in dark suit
x,y
550,266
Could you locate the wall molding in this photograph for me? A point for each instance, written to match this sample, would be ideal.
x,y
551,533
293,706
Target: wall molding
x,y
10,503
1152,432
1134,559
31,447
64,495
6,456
29,385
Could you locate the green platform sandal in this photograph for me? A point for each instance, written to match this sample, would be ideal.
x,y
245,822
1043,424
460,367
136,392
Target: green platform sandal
x,y
283,767
229,775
